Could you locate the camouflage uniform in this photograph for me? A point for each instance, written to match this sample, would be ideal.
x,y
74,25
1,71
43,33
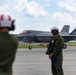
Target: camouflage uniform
x,y
56,47
8,47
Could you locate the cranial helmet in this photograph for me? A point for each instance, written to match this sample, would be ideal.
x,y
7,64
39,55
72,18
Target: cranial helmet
x,y
54,30
6,21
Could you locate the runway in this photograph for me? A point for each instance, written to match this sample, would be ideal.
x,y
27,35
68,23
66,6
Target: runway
x,y
36,62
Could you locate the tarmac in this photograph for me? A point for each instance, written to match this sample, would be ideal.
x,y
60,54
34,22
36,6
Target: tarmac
x,y
36,62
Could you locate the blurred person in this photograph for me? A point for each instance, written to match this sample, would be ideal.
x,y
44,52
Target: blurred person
x,y
8,44
55,53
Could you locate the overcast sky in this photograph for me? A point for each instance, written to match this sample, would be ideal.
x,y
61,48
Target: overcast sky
x,y
40,14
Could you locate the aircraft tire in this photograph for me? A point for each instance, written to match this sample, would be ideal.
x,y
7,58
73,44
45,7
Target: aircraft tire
x,y
65,46
30,47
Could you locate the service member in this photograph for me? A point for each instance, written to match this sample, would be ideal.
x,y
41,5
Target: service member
x,y
8,44
54,52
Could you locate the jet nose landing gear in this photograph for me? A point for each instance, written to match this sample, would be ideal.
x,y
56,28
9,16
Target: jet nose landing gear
x,y
30,47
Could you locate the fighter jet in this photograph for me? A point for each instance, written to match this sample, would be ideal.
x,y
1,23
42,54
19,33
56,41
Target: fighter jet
x,y
30,36
42,36
45,36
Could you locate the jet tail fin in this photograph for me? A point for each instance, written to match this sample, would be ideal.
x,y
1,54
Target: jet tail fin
x,y
73,32
65,28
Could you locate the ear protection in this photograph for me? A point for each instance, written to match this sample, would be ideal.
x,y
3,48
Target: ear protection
x,y
6,21
54,32
12,26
